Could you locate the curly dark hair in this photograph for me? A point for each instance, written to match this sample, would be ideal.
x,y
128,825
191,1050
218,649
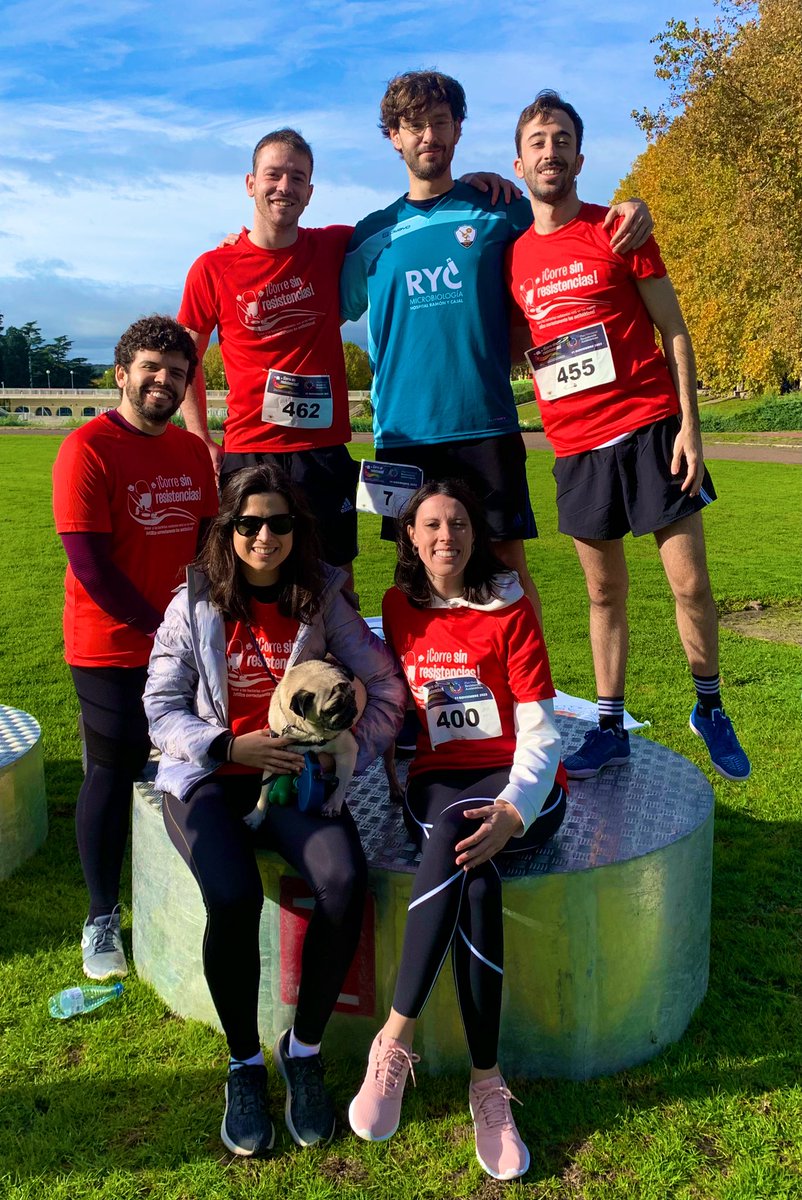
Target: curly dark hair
x,y
483,566
156,333
543,105
300,575
414,93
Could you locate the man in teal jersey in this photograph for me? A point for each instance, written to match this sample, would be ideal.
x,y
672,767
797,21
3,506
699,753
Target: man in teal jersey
x,y
429,271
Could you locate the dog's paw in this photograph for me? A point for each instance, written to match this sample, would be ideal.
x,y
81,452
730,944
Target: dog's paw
x,y
254,819
332,808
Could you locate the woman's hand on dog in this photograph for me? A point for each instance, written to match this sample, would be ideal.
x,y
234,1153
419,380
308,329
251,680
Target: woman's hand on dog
x,y
500,822
260,749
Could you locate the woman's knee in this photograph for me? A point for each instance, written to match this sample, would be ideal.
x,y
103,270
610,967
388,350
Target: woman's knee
x,y
342,888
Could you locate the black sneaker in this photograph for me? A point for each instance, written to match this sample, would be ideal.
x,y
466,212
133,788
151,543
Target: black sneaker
x,y
247,1128
308,1112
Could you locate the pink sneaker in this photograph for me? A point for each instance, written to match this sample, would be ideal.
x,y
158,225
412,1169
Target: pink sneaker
x,y
375,1110
498,1144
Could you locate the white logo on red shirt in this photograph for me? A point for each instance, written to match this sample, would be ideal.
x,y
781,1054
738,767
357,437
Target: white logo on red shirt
x,y
151,504
275,304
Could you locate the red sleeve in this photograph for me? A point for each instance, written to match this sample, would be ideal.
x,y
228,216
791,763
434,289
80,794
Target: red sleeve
x,y
80,490
528,670
198,309
646,262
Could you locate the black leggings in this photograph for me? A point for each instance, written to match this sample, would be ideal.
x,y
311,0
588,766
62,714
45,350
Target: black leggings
x,y
117,747
210,835
460,910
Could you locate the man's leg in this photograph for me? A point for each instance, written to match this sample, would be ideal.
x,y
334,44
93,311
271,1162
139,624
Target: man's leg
x,y
513,556
607,580
682,549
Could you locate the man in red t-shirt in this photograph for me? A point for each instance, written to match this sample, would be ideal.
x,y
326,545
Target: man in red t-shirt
x,y
131,493
623,419
273,296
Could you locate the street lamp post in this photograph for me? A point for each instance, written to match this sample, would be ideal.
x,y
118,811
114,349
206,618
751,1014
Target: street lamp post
x,y
72,380
47,373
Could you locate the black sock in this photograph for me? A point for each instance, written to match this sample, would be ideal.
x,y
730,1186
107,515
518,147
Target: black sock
x,y
708,693
611,714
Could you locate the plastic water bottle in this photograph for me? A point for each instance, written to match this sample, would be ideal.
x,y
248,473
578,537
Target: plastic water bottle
x,y
84,999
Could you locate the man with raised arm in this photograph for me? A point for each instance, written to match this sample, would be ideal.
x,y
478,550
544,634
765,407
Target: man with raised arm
x,y
622,417
273,297
429,271
131,495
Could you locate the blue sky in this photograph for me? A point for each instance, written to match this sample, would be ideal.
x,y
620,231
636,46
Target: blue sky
x,y
127,127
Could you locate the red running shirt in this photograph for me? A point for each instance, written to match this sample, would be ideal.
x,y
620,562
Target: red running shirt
x,y
277,314
598,370
501,649
150,494
250,688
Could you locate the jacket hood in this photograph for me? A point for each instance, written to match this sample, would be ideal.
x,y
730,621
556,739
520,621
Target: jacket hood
x,y
509,592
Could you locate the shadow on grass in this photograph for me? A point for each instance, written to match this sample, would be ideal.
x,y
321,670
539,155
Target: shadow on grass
x,y
743,1041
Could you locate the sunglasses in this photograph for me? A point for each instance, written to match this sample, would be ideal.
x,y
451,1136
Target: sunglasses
x,y
280,523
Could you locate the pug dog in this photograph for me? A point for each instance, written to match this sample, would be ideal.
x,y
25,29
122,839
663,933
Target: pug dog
x,y
314,705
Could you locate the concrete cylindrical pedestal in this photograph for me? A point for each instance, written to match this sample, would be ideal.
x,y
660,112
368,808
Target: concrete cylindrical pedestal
x,y
607,930
23,804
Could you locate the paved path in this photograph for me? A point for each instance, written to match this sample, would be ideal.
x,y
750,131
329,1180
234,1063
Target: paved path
x,y
757,451
753,451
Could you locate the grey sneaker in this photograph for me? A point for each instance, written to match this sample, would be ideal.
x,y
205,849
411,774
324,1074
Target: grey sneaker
x,y
102,947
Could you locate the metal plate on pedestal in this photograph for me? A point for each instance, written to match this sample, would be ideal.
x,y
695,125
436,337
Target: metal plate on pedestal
x,y
19,733
623,813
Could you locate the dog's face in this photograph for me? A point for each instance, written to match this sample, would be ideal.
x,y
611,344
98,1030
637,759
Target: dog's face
x,y
319,698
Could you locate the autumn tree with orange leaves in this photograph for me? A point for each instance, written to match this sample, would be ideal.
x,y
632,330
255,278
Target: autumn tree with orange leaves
x,y
723,177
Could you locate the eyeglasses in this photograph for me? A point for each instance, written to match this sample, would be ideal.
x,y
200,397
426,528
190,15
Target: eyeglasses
x,y
440,128
280,524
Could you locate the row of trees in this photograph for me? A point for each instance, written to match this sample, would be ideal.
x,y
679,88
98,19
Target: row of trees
x,y
357,368
723,177
27,360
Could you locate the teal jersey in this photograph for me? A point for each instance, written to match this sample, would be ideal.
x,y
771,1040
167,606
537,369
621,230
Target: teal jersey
x,y
432,282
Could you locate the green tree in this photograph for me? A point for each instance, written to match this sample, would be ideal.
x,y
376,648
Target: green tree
x,y
106,380
213,370
357,367
723,176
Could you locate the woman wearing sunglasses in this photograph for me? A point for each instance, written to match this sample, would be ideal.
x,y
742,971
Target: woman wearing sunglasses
x,y
257,601
486,782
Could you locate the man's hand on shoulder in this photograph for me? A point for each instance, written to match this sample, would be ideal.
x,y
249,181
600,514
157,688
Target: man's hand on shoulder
x,y
635,228
497,185
231,239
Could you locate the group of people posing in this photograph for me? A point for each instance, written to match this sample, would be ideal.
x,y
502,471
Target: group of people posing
x,y
455,278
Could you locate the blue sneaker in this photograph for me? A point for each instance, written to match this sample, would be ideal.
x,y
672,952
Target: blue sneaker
x,y
719,736
601,748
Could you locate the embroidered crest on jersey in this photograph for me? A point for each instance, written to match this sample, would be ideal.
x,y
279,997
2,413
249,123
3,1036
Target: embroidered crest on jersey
x,y
465,235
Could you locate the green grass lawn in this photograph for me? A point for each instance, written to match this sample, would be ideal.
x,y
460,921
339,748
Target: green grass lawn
x,y
127,1103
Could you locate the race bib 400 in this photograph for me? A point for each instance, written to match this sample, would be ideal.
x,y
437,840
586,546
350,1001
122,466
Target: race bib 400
x,y
460,709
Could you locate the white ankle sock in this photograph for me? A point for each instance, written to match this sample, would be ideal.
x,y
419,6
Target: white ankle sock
x,y
296,1049
257,1060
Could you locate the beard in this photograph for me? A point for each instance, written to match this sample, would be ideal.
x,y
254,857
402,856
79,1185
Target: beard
x,y
552,192
428,169
157,414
